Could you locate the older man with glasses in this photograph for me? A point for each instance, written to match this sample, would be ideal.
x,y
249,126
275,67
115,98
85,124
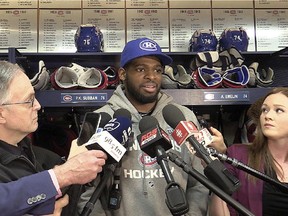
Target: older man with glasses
x,y
31,101
18,157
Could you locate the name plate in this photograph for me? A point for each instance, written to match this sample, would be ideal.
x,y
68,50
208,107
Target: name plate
x,y
83,97
227,96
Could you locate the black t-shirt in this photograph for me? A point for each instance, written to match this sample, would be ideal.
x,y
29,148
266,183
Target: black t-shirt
x,y
274,201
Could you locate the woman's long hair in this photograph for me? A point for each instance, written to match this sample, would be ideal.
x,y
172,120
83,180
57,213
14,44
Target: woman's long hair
x,y
259,156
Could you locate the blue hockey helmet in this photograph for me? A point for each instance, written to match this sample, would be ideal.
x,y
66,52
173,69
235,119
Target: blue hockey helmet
x,y
203,40
237,38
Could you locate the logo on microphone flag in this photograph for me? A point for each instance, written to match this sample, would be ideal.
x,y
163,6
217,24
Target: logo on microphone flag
x,y
147,137
204,137
183,130
107,142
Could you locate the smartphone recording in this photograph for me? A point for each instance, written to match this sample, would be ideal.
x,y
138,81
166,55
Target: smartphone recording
x,y
89,126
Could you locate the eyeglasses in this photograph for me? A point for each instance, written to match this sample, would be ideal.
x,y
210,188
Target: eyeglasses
x,y
31,101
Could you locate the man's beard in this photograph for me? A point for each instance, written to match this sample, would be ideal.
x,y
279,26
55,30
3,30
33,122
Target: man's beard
x,y
133,92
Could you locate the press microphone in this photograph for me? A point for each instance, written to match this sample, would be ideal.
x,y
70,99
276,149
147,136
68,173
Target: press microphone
x,y
152,138
183,130
154,141
111,139
125,113
239,165
122,112
209,184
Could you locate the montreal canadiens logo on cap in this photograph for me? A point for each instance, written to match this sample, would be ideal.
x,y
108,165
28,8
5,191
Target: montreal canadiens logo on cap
x,y
148,45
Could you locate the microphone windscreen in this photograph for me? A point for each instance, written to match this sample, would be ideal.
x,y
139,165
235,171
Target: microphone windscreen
x,y
123,113
147,122
105,118
120,128
172,115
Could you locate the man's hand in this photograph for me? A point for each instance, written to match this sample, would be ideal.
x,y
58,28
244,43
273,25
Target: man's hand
x,y
80,169
59,205
75,149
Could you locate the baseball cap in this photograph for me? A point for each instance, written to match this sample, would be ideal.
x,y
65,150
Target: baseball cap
x,y
143,47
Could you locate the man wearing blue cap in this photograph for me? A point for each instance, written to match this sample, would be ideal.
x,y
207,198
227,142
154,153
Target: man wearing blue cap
x,y
141,180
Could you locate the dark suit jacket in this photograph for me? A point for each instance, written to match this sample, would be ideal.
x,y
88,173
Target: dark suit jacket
x,y
33,194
